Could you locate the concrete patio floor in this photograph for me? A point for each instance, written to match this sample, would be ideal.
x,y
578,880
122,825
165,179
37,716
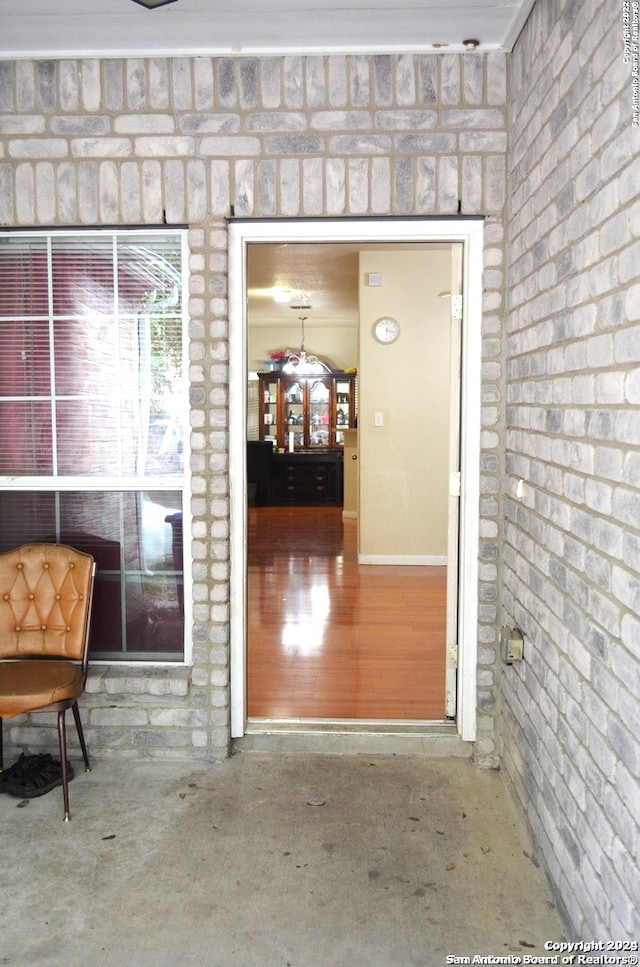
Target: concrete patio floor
x,y
271,860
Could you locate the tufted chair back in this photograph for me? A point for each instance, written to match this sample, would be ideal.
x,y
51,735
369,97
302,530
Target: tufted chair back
x,y
45,598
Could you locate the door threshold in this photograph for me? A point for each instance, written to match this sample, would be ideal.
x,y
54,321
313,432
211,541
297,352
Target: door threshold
x,y
349,737
395,726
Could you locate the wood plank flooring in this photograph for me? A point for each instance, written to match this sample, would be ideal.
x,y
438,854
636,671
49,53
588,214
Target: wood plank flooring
x,y
331,639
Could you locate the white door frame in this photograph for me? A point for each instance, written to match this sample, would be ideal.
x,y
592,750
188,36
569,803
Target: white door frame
x,y
453,526
470,231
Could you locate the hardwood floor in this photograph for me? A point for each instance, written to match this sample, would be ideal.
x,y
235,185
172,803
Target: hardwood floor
x,y
331,639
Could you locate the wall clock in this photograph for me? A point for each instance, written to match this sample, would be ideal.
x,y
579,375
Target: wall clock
x,y
386,330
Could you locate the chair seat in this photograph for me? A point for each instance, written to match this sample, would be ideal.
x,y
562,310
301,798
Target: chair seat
x,y
26,686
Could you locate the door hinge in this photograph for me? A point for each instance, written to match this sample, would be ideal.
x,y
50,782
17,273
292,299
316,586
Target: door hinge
x,y
454,484
452,656
456,307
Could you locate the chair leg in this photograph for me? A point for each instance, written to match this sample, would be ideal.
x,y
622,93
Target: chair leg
x,y
76,716
62,735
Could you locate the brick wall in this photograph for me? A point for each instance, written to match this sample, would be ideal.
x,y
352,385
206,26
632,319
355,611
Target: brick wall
x,y
572,552
90,142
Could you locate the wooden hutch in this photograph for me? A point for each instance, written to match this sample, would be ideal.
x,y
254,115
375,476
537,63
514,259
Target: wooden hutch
x,y
305,417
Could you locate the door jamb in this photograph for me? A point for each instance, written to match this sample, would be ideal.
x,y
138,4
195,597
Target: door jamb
x,y
470,231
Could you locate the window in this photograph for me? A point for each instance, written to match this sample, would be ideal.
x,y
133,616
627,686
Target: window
x,y
92,421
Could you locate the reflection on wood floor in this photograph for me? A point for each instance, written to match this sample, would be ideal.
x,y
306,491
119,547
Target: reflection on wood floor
x,y
331,639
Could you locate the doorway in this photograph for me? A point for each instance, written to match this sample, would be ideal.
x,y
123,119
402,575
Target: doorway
x,y
372,236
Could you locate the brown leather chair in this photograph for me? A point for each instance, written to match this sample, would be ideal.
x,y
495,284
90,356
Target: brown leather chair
x,y
45,606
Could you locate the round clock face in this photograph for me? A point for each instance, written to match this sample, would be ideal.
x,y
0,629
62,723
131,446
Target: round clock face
x,y
386,330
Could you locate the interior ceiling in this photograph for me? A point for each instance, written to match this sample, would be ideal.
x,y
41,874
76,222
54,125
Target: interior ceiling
x,y
322,278
70,28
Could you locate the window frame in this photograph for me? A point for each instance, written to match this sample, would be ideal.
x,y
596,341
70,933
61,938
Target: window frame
x,y
130,483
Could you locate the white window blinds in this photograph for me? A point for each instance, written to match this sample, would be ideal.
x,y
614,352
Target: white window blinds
x,y
93,406
91,368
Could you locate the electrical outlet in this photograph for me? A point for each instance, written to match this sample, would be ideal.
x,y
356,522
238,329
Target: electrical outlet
x,y
515,651
512,645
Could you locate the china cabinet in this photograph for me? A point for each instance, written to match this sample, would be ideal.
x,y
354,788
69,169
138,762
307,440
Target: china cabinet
x,y
306,419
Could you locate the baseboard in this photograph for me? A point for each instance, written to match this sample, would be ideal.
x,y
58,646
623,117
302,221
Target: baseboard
x,y
421,560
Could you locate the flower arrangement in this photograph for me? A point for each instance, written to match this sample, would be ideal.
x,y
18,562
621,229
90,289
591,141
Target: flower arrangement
x,y
279,354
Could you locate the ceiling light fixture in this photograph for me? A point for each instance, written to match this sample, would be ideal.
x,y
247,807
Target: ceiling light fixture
x,y
299,363
471,44
152,4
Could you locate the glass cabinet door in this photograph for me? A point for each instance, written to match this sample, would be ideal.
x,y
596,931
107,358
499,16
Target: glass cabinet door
x,y
319,413
294,407
306,412
344,416
270,410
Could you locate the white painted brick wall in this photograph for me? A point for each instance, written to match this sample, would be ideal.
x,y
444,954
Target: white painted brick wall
x,y
92,142
572,555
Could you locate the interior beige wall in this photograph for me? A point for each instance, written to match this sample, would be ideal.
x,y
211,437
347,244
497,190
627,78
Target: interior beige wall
x,y
404,464
337,345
